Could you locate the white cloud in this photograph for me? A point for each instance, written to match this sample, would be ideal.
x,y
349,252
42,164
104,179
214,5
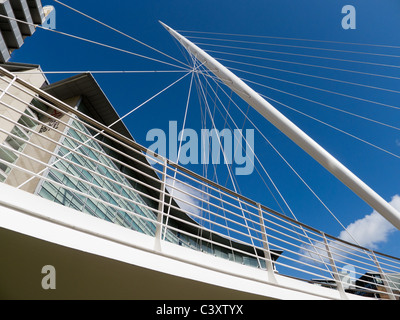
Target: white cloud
x,y
371,230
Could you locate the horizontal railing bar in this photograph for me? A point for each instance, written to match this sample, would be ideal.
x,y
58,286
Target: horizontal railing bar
x,y
208,194
349,257
207,210
292,267
385,258
360,247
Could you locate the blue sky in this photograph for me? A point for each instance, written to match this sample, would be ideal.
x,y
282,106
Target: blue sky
x,y
378,23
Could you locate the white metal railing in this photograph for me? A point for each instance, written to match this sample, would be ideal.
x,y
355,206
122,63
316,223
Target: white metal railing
x,y
66,152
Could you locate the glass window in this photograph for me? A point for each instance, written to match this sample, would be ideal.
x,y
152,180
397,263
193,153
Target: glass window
x,y
17,142
27,121
6,156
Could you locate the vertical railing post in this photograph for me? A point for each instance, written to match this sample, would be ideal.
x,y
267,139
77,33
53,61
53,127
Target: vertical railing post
x,y
160,213
386,285
335,272
267,251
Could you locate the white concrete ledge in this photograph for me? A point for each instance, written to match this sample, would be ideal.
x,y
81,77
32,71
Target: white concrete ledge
x,y
30,215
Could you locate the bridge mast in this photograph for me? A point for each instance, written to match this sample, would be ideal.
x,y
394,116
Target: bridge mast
x,y
293,132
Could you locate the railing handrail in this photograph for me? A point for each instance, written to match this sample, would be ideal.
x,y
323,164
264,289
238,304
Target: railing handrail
x,y
316,245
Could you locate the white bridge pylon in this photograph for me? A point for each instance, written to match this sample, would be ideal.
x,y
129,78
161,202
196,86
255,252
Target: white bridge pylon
x,y
292,131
